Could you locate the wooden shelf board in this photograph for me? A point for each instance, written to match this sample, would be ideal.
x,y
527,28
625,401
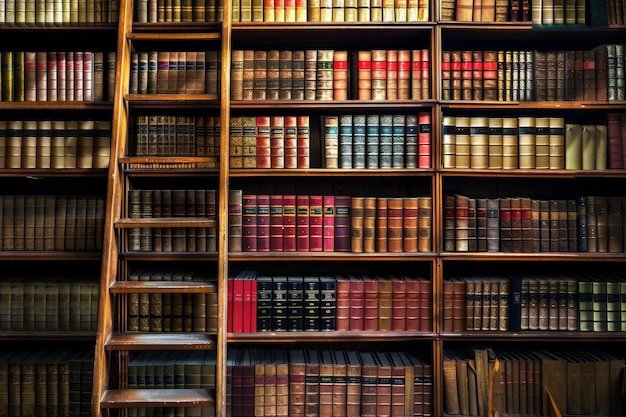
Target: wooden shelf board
x,y
160,341
130,287
50,255
55,105
533,173
47,335
156,398
531,105
127,223
175,36
172,99
529,256
331,256
334,336
331,105
323,172
547,336
168,256
53,172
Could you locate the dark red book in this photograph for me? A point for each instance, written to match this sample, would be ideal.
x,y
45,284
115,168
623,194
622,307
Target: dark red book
x,y
276,223
316,223
370,303
413,309
383,389
342,223
302,223
425,303
312,384
229,305
398,304
328,243
297,382
447,311
343,303
357,302
424,140
237,304
249,220
253,303
247,303
289,223
263,222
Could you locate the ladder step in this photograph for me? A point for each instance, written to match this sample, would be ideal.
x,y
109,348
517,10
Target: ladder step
x,y
160,341
128,287
128,398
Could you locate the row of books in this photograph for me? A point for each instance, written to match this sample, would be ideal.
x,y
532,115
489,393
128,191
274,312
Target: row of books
x,y
51,222
327,74
183,11
616,12
528,142
259,302
269,142
173,312
524,224
330,11
46,383
181,369
334,223
174,72
539,12
48,303
533,382
59,144
173,135
57,76
172,239
590,302
58,12
328,382
518,75
378,141
267,303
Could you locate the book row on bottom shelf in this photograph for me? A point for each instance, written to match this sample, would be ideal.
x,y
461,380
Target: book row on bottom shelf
x,y
573,381
46,383
329,381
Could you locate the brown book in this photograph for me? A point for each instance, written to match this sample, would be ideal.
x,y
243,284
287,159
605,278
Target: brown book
x,y
248,74
357,211
259,81
602,222
353,384
369,224
370,303
464,10
369,381
424,224
394,224
272,74
413,303
516,225
410,224
385,304
381,224
236,75
450,387
455,74
506,231
466,75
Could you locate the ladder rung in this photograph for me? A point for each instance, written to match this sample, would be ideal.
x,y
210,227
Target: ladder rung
x,y
160,341
128,398
128,287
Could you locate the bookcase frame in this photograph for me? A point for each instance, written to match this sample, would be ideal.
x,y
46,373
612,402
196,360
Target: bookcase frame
x,y
266,35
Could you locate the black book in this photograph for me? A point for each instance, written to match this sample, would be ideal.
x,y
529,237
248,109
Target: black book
x,y
264,304
328,303
515,322
279,303
311,303
295,303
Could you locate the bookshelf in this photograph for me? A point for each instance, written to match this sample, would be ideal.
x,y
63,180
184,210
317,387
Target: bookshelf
x,y
55,144
281,134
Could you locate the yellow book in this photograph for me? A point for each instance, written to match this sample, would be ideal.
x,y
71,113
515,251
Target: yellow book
x,y
268,11
313,11
7,76
18,76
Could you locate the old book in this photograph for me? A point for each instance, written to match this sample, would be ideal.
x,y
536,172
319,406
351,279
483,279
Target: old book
x,y
302,223
316,223
289,223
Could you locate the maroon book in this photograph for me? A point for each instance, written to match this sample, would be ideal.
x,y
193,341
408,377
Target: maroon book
x,y
263,222
357,302
302,223
342,223
249,226
276,223
289,223
329,223
316,223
